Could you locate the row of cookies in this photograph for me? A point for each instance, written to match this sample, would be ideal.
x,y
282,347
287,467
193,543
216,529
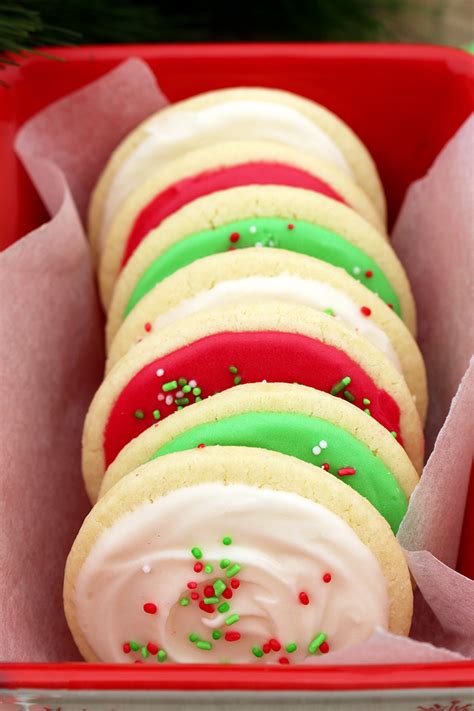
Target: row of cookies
x,y
257,272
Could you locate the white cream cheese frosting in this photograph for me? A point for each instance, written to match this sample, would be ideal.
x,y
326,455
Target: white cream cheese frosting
x,y
171,135
292,289
298,581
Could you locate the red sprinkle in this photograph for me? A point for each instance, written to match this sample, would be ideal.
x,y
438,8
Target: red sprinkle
x,y
390,306
274,644
291,227
327,577
232,636
304,599
126,648
284,660
206,608
227,593
192,585
235,583
235,236
324,648
369,273
151,608
148,327
197,567
231,249
200,446
346,471
266,648
152,648
209,591
194,596
325,466
365,310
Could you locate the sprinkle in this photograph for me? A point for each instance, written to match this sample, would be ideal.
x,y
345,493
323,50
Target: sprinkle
x,y
193,637
201,445
150,608
274,644
340,385
204,645
291,226
330,312
160,372
126,648
365,310
233,570
325,466
232,636
259,244
192,585
182,401
197,391
152,648
303,598
139,414
147,327
292,647
169,400
184,602
208,568
323,444
348,395
156,414
144,652
232,618
237,380
227,540
197,567
187,388
206,608
252,229
227,594
211,600
160,397
366,401
356,270
367,411
192,383
235,584
134,646
390,306
179,394
324,648
316,642
233,369
146,568
208,591
327,577
235,236
194,596
394,434
197,552
198,399
217,634
161,656
369,273
219,587
257,652
225,562
224,607
266,648
170,385
182,382
316,450
346,471
284,660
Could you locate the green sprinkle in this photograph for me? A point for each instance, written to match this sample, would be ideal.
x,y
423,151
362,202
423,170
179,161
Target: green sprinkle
x,y
156,414
329,311
216,634
316,643
197,391
208,568
227,540
225,562
366,401
204,645
180,407
367,411
193,637
182,401
233,369
182,382
225,607
211,600
198,399
184,602
134,646
219,587
139,414
144,652
237,380
171,385
232,618
187,388
161,656
292,647
348,395
394,434
257,652
233,570
197,552
340,385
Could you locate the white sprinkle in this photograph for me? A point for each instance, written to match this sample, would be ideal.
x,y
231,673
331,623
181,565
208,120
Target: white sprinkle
x,y
264,381
161,397
316,450
356,270
146,568
259,244
192,383
160,372
271,243
169,399
179,393
323,444
252,229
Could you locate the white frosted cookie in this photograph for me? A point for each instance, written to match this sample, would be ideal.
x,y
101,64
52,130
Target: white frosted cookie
x,y
257,114
215,350
292,419
219,167
232,555
264,216
257,275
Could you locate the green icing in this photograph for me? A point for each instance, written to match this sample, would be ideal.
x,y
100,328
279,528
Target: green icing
x,y
297,435
304,238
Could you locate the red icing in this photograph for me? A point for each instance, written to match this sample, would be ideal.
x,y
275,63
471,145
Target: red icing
x,y
210,181
262,355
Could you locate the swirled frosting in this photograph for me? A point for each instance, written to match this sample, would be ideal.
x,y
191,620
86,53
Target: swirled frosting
x,y
218,574
171,135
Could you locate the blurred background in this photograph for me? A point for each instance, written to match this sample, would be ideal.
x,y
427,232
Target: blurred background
x,y
42,22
